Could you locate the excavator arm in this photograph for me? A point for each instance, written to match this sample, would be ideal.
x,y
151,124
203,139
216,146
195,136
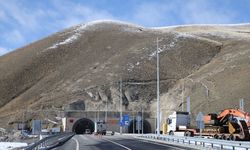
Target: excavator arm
x,y
225,114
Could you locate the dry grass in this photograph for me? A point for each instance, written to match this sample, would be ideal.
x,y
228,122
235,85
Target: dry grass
x,y
89,68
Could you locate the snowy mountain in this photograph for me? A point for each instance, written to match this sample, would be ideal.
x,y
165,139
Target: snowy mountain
x,y
209,63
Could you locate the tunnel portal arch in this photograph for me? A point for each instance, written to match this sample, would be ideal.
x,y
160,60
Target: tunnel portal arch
x,y
133,126
81,125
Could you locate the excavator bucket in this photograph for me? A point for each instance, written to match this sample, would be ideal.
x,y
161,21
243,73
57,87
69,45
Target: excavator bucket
x,y
233,127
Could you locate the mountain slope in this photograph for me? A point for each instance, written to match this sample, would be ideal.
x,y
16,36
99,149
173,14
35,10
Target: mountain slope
x,y
86,62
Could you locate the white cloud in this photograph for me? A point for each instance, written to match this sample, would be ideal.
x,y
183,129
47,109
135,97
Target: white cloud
x,y
2,15
202,12
180,12
3,51
21,15
151,14
14,36
60,15
25,24
74,13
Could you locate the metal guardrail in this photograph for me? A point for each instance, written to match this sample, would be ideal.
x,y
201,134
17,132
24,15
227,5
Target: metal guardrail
x,y
50,142
209,143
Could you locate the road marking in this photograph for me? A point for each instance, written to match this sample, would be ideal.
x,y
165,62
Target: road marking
x,y
77,143
118,144
60,139
152,142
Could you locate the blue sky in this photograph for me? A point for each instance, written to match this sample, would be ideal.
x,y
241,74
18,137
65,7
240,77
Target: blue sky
x,y
25,21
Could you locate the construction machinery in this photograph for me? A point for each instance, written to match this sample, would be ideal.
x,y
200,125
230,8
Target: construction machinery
x,y
227,114
230,124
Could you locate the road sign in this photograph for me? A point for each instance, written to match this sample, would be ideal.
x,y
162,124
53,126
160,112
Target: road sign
x,y
139,121
138,118
242,104
126,123
125,117
125,120
36,126
122,123
200,120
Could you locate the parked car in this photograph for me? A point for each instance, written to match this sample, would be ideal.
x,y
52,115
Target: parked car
x,y
110,133
88,131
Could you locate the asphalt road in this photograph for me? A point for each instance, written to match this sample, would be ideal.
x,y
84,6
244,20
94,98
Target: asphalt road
x,y
117,142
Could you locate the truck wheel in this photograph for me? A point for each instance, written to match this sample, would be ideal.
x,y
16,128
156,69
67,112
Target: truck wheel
x,y
171,132
223,137
231,137
188,133
216,136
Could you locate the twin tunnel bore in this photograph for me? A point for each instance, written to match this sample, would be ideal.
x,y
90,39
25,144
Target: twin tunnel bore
x,y
81,125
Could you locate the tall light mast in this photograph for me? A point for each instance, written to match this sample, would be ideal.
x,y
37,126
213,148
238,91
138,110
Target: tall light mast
x,y
158,89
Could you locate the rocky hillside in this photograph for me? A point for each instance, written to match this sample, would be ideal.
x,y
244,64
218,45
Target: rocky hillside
x,y
85,64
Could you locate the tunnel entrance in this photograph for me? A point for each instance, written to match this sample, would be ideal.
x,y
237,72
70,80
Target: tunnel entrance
x,y
82,124
133,127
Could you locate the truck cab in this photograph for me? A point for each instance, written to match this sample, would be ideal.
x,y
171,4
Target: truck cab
x,y
100,127
178,121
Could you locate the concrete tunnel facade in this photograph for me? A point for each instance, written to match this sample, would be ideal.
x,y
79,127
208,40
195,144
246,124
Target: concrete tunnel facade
x,y
78,122
80,126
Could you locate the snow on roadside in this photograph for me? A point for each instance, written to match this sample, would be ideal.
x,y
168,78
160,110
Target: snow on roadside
x,y
11,145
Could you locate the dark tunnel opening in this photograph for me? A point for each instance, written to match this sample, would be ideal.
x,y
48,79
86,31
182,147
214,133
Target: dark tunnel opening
x,y
133,127
81,125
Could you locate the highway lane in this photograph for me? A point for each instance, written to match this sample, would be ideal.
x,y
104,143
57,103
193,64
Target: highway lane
x,y
117,142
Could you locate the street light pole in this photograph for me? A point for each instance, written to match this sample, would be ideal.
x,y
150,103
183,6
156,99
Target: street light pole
x,y
142,121
106,115
158,90
99,112
106,112
138,122
121,106
133,123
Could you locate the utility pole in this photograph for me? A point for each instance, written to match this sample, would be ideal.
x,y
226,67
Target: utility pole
x,y
142,120
188,104
121,106
133,123
182,97
158,90
138,122
22,122
106,112
99,113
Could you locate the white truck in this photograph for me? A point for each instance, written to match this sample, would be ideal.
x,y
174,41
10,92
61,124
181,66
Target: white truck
x,y
100,127
178,122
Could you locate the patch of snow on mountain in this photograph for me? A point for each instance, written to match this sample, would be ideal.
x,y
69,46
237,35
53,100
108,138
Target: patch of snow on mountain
x,y
78,29
171,44
83,26
202,25
225,35
67,41
130,67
